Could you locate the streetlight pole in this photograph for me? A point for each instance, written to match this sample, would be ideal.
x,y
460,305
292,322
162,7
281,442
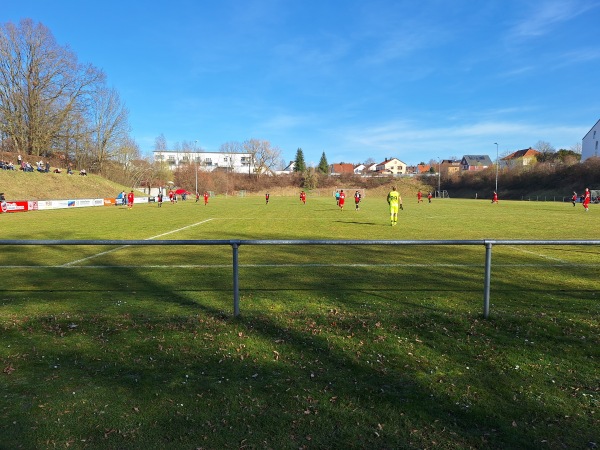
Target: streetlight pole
x,y
439,178
496,144
196,163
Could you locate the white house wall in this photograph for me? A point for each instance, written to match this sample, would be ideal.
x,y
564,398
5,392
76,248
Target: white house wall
x,y
208,161
589,145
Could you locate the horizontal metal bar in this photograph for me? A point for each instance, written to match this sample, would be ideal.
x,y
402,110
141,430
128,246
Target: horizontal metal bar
x,y
132,242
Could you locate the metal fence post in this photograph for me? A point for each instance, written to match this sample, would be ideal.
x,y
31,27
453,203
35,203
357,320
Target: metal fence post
x,y
236,281
487,279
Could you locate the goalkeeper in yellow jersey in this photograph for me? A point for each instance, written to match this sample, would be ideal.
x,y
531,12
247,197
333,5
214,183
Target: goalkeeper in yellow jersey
x,y
395,202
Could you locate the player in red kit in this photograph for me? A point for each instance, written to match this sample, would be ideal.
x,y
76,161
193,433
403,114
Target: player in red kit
x,y
130,200
586,199
495,197
342,199
419,196
303,197
574,198
205,198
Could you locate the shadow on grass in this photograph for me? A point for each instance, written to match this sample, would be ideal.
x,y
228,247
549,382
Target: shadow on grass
x,y
143,359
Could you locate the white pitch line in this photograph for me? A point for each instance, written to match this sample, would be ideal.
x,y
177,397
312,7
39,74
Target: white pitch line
x,y
539,254
123,246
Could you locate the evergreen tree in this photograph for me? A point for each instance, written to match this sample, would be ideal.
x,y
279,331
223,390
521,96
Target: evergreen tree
x,y
300,164
323,167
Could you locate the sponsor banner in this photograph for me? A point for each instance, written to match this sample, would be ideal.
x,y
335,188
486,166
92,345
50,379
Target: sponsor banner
x,y
15,207
32,205
110,202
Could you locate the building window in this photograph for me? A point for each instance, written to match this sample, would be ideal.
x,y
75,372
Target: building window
x,y
208,161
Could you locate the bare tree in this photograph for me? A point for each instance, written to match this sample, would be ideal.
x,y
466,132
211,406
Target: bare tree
x,y
110,127
264,156
231,148
544,147
42,85
576,148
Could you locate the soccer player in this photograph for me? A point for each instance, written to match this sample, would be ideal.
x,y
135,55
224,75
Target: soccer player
x,y
130,200
160,199
419,196
574,198
429,196
586,199
356,200
495,197
303,197
267,198
342,199
395,201
197,196
205,198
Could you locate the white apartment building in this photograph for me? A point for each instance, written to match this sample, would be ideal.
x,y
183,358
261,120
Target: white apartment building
x,y
589,143
208,161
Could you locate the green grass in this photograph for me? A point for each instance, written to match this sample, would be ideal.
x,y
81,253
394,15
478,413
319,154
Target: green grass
x,y
335,347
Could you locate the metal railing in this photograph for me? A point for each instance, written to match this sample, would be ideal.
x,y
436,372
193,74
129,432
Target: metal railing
x,y
235,245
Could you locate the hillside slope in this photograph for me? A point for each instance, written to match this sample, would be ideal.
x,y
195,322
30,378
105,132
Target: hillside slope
x,y
18,185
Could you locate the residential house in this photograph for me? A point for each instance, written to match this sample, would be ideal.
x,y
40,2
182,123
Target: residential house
x,y
449,167
423,168
371,168
475,162
359,169
589,143
392,166
338,169
208,161
523,157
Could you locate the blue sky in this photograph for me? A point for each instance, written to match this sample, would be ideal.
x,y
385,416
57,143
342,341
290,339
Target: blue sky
x,y
417,80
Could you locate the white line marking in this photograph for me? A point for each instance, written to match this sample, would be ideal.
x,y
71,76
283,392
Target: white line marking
x,y
539,254
123,246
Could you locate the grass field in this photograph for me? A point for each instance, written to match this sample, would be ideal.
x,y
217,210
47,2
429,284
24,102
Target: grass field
x,y
336,347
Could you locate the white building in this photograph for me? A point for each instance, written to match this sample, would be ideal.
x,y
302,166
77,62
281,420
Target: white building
x,y
589,143
208,161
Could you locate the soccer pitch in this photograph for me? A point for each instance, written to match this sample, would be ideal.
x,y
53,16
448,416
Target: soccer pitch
x,y
336,346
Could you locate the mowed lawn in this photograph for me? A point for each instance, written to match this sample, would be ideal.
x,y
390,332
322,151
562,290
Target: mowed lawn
x,y
336,346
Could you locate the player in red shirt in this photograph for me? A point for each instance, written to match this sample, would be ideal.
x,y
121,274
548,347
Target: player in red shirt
x,y
574,198
586,199
419,196
267,198
303,197
429,196
205,198
342,199
495,197
130,200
